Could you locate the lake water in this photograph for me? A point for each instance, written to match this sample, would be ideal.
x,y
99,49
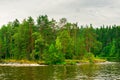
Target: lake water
x,y
69,72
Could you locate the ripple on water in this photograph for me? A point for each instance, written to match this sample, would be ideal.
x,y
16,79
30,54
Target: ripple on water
x,y
71,72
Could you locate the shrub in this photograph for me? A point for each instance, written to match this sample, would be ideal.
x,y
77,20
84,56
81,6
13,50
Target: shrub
x,y
53,56
90,57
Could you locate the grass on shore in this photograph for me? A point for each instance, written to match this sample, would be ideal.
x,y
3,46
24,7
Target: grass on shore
x,y
68,61
84,61
18,61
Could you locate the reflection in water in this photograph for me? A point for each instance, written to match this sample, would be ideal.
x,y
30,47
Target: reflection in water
x,y
71,72
88,71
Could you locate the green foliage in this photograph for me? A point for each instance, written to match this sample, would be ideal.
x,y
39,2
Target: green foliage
x,y
52,56
55,41
38,46
66,44
112,50
58,44
90,57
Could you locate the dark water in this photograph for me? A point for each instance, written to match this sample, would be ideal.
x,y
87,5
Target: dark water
x,y
81,72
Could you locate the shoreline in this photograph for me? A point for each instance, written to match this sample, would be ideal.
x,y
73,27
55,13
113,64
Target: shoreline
x,y
35,64
20,65
98,63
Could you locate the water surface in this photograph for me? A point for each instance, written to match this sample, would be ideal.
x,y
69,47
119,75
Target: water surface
x,y
69,72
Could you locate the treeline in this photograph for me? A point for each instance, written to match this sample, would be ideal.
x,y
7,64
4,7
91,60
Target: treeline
x,y
109,36
54,41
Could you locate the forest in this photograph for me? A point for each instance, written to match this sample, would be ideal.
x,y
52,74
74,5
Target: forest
x,y
55,41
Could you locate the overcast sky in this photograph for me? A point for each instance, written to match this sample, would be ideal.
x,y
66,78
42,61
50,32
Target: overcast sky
x,y
96,12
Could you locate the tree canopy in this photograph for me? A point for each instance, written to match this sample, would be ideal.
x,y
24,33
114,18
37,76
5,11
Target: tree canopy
x,y
54,41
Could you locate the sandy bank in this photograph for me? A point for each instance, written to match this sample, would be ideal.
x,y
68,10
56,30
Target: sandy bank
x,y
18,64
99,63
35,64
107,62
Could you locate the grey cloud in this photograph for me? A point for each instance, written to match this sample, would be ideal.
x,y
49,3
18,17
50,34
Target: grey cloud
x,y
97,12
